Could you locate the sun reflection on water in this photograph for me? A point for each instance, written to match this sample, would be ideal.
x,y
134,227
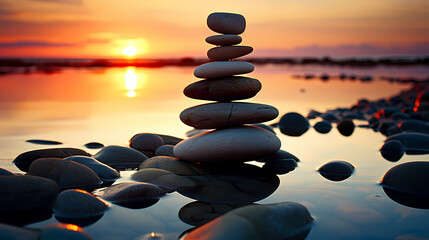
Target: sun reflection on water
x,y
131,81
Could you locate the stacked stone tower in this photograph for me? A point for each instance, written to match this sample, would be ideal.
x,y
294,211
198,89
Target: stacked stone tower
x,y
231,140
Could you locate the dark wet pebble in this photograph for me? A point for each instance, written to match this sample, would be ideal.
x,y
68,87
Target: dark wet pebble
x,y
331,117
128,192
282,166
322,127
336,170
165,150
43,142
281,154
9,232
346,127
173,165
4,172
103,171
392,150
76,203
293,124
24,160
414,143
146,142
166,180
94,145
119,157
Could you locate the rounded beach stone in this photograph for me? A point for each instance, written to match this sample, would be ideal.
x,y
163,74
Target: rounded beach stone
x,y
55,231
103,171
173,165
281,166
224,39
323,127
292,221
279,155
231,144
165,150
170,139
226,23
225,53
130,192
24,193
223,69
67,174
120,157
414,143
392,150
24,160
94,145
164,179
146,141
293,124
223,89
336,170
226,114
346,127
78,203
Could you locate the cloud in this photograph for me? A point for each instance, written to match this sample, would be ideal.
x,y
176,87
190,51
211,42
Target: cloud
x,y
25,44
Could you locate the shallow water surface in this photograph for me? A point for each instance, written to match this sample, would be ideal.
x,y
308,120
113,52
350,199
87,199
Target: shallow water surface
x,y
77,106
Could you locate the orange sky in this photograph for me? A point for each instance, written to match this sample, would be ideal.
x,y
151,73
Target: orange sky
x,y
161,29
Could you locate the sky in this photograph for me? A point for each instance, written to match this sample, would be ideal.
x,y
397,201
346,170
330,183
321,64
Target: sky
x,y
171,29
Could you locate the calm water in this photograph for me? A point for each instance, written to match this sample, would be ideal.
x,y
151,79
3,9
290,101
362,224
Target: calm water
x,y
77,106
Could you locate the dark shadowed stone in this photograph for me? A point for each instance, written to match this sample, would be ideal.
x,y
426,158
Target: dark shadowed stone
x,y
282,166
224,39
322,127
166,180
56,231
165,150
25,193
408,184
146,141
292,221
67,174
198,213
4,172
227,114
336,170
230,144
385,125
414,143
94,145
9,232
293,124
24,160
392,150
170,139
43,142
76,203
129,192
414,126
103,171
330,117
279,155
223,89
346,127
173,165
120,157
225,53
226,23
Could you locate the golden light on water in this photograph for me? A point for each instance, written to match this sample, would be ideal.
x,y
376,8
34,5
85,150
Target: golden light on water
x,y
152,234
73,227
133,81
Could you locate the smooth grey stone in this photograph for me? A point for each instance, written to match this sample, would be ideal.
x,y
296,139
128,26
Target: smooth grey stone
x,y
56,231
4,172
170,139
279,155
103,171
266,127
25,193
227,114
336,170
230,144
281,166
165,150
392,150
224,39
290,221
166,180
94,145
223,69
173,165
226,53
414,143
293,124
43,142
130,192
414,126
9,232
78,203
346,127
24,160
120,157
67,174
146,141
226,23
323,127
223,89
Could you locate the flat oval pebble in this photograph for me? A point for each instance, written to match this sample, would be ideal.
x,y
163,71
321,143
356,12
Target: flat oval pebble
x,y
226,23
78,203
67,174
130,192
103,171
173,165
414,143
146,141
56,231
43,142
224,39
164,179
225,53
24,160
120,157
223,69
221,115
336,170
281,166
293,124
346,127
288,220
94,145
392,150
323,127
223,89
23,193
165,150
231,144
279,155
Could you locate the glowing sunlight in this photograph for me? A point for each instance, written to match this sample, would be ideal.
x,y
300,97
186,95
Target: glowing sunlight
x,y
131,82
130,51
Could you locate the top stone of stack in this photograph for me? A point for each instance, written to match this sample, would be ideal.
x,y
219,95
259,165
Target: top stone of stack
x,y
226,23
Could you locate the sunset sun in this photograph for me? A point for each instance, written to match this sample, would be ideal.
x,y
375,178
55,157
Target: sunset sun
x,y
129,51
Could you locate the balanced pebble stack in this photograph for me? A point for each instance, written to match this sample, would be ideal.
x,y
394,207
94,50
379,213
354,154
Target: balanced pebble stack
x,y
231,140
